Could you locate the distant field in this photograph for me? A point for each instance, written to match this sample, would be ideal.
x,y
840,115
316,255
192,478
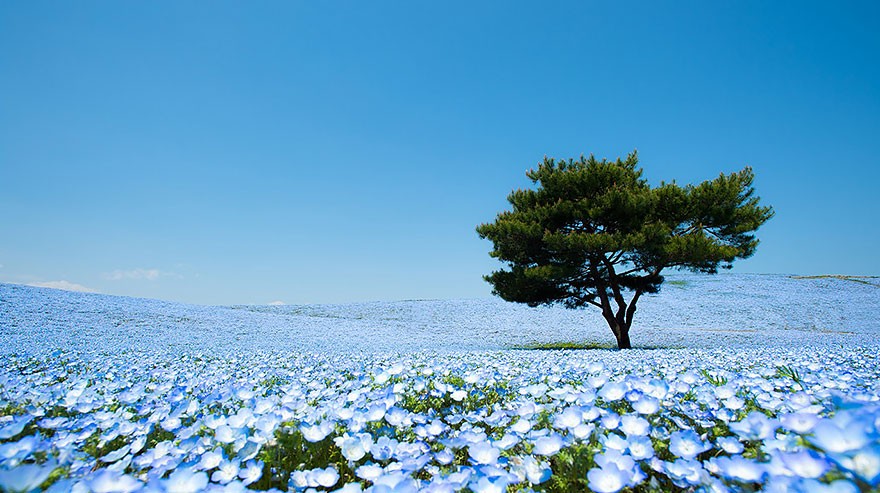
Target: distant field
x,y
700,311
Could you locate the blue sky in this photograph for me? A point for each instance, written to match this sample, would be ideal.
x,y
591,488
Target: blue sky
x,y
240,152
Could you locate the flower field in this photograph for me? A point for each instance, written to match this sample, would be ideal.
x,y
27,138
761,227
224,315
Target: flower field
x,y
95,397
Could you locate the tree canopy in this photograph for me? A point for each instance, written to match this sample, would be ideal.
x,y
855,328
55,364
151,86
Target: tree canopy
x,y
594,231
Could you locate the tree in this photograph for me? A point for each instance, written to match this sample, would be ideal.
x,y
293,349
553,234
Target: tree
x,y
595,232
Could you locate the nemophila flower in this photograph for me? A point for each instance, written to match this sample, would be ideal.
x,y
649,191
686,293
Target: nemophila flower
x,y
226,472
608,479
837,486
458,395
527,468
327,477
833,438
569,418
444,456
508,441
755,426
610,421
640,447
612,391
185,480
548,445
739,468
687,444
394,481
634,425
734,403
105,481
396,416
369,472
20,448
383,448
483,453
211,459
684,472
616,457
582,431
613,441
730,445
251,472
316,433
864,463
225,434
521,426
646,405
350,488
804,463
25,478
724,391
490,485
799,422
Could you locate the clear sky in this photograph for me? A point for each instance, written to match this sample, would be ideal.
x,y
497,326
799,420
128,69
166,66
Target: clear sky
x,y
250,152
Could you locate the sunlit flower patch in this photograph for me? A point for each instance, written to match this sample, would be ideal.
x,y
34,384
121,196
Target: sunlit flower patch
x,y
804,419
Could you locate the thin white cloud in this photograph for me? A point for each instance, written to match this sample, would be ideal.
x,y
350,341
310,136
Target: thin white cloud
x,y
137,274
65,285
277,303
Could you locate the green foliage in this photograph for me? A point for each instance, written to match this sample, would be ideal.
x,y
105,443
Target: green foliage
x,y
593,230
789,372
552,346
291,452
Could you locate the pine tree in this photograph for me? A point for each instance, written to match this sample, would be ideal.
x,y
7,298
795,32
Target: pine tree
x,y
596,233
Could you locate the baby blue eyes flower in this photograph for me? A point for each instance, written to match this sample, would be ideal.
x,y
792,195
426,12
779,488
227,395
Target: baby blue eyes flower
x,y
185,481
369,472
687,444
799,422
730,445
805,463
106,481
634,425
608,479
837,486
226,472
684,472
612,391
211,459
755,426
354,448
569,418
832,438
490,485
25,478
483,453
327,477
17,426
251,472
548,445
316,433
646,405
864,463
641,448
740,469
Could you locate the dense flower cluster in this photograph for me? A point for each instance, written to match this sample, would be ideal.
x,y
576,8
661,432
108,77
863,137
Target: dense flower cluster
x,y
108,394
778,420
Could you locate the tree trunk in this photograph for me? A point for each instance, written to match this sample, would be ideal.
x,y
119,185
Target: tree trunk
x,y
623,338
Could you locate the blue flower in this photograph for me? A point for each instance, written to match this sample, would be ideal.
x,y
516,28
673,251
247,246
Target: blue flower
x,y
755,426
608,479
739,468
805,463
687,444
